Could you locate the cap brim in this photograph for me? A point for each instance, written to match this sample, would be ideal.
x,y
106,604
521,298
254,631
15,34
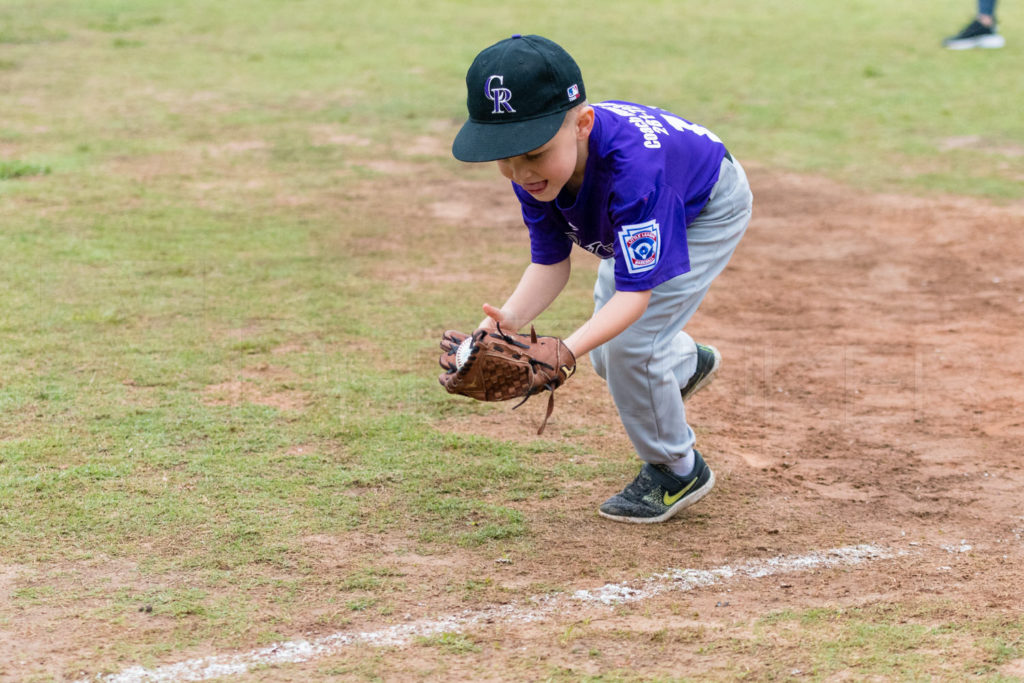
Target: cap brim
x,y
491,141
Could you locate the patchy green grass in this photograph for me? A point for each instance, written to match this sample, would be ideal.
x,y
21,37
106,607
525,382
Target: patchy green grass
x,y
891,642
450,643
17,169
894,642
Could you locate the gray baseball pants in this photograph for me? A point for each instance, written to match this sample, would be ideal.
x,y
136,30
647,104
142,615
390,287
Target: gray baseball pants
x,y
646,364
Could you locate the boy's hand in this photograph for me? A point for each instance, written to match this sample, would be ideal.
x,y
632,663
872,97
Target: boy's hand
x,y
495,317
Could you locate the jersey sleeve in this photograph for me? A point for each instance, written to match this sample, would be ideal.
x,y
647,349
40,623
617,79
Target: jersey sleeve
x,y
549,243
650,240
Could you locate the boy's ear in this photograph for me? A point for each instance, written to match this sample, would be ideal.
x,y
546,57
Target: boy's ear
x,y
585,123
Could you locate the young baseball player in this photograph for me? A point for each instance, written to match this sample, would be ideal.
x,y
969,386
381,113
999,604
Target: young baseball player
x,y
659,199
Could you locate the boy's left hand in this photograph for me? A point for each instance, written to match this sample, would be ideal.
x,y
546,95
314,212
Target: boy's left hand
x,y
495,366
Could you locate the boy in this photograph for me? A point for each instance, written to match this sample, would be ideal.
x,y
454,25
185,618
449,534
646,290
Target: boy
x,y
658,199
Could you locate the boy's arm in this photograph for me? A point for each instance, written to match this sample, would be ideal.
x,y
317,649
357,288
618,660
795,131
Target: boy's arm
x,y
621,311
538,287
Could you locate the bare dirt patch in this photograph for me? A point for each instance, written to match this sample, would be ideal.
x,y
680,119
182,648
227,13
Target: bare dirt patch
x,y
262,384
336,135
978,142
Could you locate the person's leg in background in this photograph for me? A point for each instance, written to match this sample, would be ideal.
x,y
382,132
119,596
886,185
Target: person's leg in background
x,y
980,33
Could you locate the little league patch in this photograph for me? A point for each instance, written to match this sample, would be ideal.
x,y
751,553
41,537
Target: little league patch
x,y
641,246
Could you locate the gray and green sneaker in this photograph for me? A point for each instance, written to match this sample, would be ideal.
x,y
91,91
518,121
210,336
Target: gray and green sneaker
x,y
708,360
657,493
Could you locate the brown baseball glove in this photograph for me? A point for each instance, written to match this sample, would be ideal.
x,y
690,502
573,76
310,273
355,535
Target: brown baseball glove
x,y
495,366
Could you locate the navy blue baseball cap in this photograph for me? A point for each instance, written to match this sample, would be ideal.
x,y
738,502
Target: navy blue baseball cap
x,y
518,92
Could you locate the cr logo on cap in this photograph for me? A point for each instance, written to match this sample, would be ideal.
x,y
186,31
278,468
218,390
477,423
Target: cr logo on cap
x,y
500,96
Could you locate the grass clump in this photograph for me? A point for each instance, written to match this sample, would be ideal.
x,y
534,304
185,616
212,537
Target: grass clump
x,y
9,170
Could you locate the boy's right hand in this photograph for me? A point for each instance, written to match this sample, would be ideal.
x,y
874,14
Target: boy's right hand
x,y
495,317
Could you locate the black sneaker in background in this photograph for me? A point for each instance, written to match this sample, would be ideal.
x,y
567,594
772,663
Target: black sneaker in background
x,y
975,34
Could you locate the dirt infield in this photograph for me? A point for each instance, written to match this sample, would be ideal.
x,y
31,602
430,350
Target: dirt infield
x,y
871,384
870,394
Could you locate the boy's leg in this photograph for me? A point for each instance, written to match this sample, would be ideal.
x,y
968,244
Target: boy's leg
x,y
647,364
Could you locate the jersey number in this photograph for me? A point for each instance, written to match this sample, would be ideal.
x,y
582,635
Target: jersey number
x,y
681,125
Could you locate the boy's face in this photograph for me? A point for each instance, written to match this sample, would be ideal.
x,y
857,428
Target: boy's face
x,y
558,163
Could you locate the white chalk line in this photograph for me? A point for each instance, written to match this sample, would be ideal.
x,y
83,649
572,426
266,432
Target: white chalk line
x,y
533,609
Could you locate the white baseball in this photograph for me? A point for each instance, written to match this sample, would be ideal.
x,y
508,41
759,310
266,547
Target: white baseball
x,y
462,353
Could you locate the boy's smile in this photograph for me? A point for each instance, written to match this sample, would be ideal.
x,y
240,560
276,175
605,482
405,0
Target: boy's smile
x,y
557,164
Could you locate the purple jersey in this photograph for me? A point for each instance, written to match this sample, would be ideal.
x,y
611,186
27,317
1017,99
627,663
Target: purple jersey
x,y
648,174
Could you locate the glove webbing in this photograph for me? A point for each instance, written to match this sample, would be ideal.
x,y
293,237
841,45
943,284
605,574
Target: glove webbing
x,y
533,363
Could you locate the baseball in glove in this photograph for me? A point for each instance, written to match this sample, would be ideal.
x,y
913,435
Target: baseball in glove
x,y
495,366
